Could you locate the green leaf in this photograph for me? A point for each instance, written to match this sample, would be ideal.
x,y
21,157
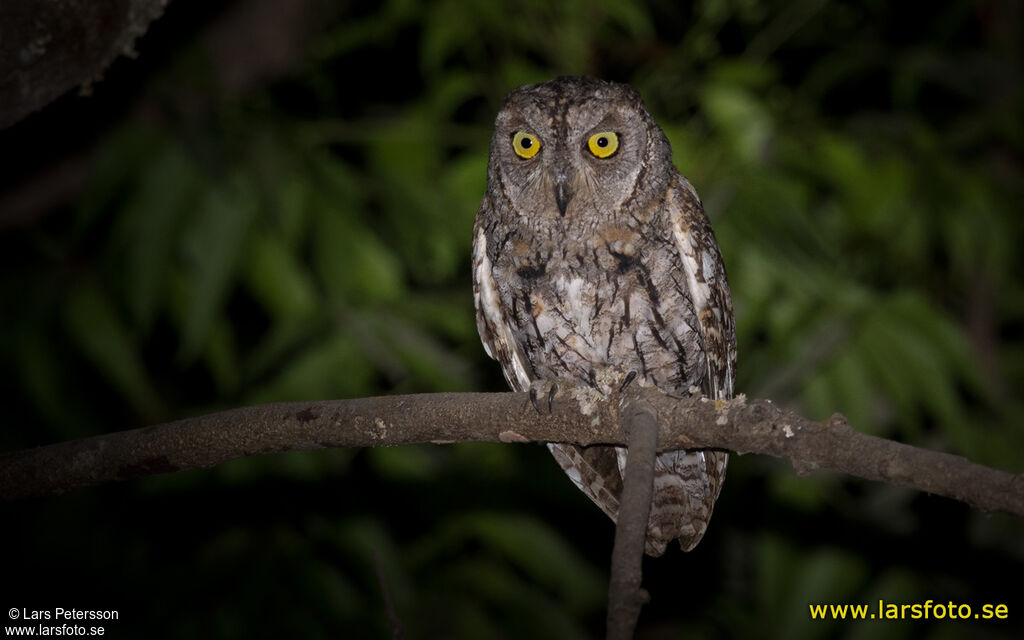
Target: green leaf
x,y
541,554
445,31
515,601
213,248
788,580
332,367
410,463
432,365
42,379
284,338
448,313
221,358
354,266
371,542
114,170
293,202
853,389
484,460
634,18
895,585
150,220
99,332
741,118
277,280
464,181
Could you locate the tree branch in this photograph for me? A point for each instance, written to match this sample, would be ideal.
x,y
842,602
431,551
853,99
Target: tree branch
x,y
625,596
47,48
578,415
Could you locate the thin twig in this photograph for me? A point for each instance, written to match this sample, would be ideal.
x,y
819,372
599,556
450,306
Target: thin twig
x,y
625,596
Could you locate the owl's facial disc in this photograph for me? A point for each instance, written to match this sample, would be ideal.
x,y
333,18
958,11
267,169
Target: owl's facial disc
x,y
566,153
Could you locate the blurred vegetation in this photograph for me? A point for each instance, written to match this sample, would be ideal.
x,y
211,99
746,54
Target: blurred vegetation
x,y
309,239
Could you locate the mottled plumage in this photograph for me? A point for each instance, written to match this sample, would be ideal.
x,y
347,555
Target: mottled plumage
x,y
593,259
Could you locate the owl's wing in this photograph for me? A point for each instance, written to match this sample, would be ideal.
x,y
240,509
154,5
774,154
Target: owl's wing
x,y
491,319
692,480
708,288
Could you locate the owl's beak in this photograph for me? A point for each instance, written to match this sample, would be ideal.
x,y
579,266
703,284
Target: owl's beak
x,y
562,193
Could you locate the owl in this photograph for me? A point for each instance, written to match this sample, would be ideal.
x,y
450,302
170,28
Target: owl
x,y
593,262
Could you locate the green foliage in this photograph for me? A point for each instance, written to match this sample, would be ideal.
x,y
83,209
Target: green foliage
x,y
95,327
310,239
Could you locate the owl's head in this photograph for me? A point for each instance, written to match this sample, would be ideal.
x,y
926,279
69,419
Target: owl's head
x,y
577,147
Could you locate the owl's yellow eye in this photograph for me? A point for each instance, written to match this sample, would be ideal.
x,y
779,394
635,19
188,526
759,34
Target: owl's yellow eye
x,y
603,144
526,145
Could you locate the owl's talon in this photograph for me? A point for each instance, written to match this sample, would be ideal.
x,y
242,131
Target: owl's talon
x,y
533,399
629,378
538,387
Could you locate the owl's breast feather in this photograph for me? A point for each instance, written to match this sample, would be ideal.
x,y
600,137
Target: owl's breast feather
x,y
576,318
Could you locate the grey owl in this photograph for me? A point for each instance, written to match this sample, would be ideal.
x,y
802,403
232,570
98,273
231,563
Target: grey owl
x,y
593,261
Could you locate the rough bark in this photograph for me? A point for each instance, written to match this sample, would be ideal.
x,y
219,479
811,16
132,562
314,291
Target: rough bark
x,y
49,48
578,415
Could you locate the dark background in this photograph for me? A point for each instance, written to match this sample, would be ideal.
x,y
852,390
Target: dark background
x,y
274,202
